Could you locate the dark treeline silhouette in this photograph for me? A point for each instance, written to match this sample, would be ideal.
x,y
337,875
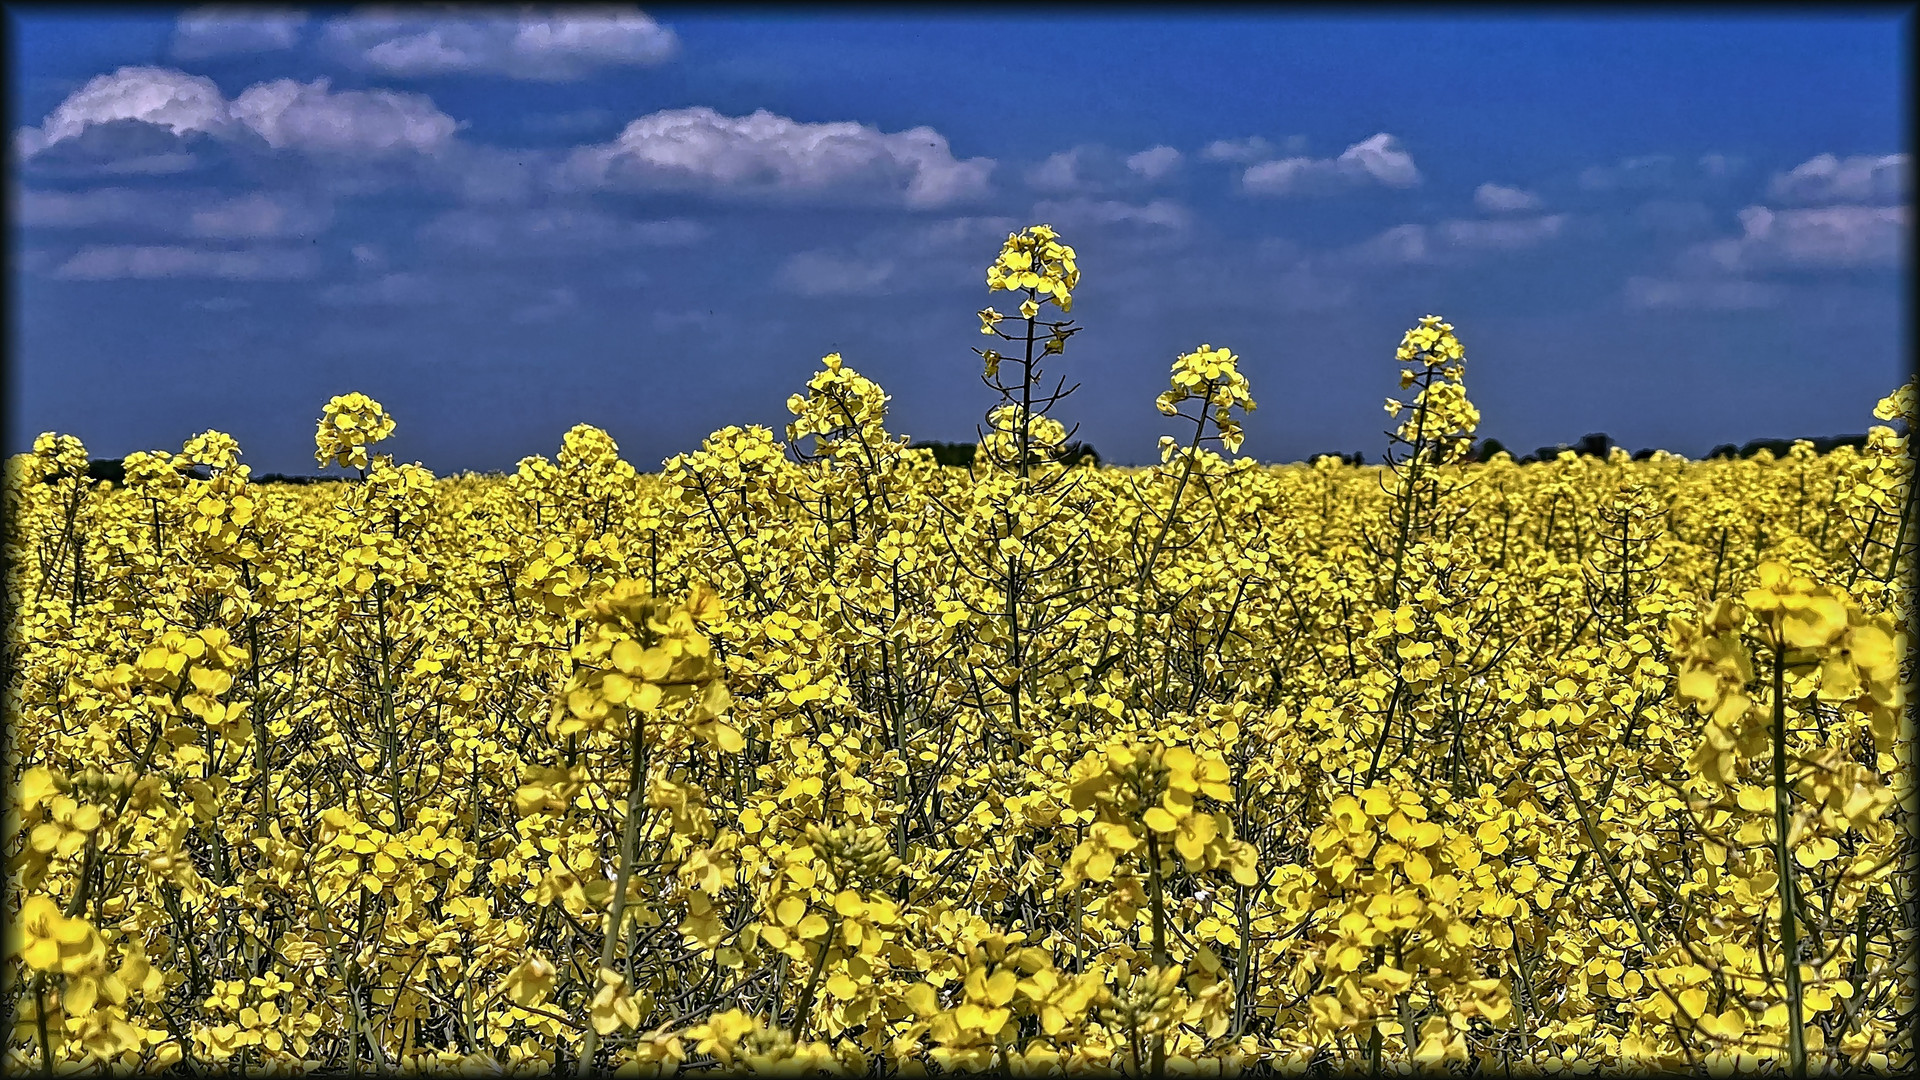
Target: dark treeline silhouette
x,y
283,478
112,471
1599,444
960,454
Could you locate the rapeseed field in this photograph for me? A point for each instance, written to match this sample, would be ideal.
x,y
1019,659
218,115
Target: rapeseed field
x,y
809,753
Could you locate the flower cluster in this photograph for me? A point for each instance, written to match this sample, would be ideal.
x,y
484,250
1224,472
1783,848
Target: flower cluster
x,y
349,424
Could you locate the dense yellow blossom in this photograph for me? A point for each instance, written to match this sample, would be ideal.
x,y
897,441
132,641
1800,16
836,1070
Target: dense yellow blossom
x,y
815,755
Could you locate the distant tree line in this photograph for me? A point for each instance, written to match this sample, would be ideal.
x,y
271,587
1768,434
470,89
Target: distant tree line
x,y
960,454
1599,444
114,472
1593,444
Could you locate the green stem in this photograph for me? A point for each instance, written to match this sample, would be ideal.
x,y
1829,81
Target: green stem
x,y
629,830
1158,898
1783,854
813,980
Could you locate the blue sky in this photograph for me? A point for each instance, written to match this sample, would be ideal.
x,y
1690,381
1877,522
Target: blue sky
x,y
1680,229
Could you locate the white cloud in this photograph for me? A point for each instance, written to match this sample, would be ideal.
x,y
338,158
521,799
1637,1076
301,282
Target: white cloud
x,y
1828,237
700,149
1401,244
163,164
1720,166
550,44
1084,212
1092,169
1059,173
1507,234
1636,173
820,273
285,114
1701,294
1452,240
218,30
183,104
983,234
1302,288
403,288
256,216
1240,151
1498,199
1828,179
35,209
400,289
1378,160
114,262
556,229
311,117
1155,162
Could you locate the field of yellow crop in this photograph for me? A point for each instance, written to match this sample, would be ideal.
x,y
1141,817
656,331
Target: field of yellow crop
x,y
814,753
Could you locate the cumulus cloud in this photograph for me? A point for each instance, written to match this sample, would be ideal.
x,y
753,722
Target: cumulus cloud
x,y
822,273
144,102
1499,199
1378,160
1408,243
159,97
549,45
1303,287
1827,237
404,288
1508,234
1092,169
702,150
1828,179
903,257
556,230
1635,173
1720,166
1452,240
1240,151
256,216
1155,162
36,209
1651,293
112,262
311,117
973,234
1251,149
1083,212
218,30
1060,172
